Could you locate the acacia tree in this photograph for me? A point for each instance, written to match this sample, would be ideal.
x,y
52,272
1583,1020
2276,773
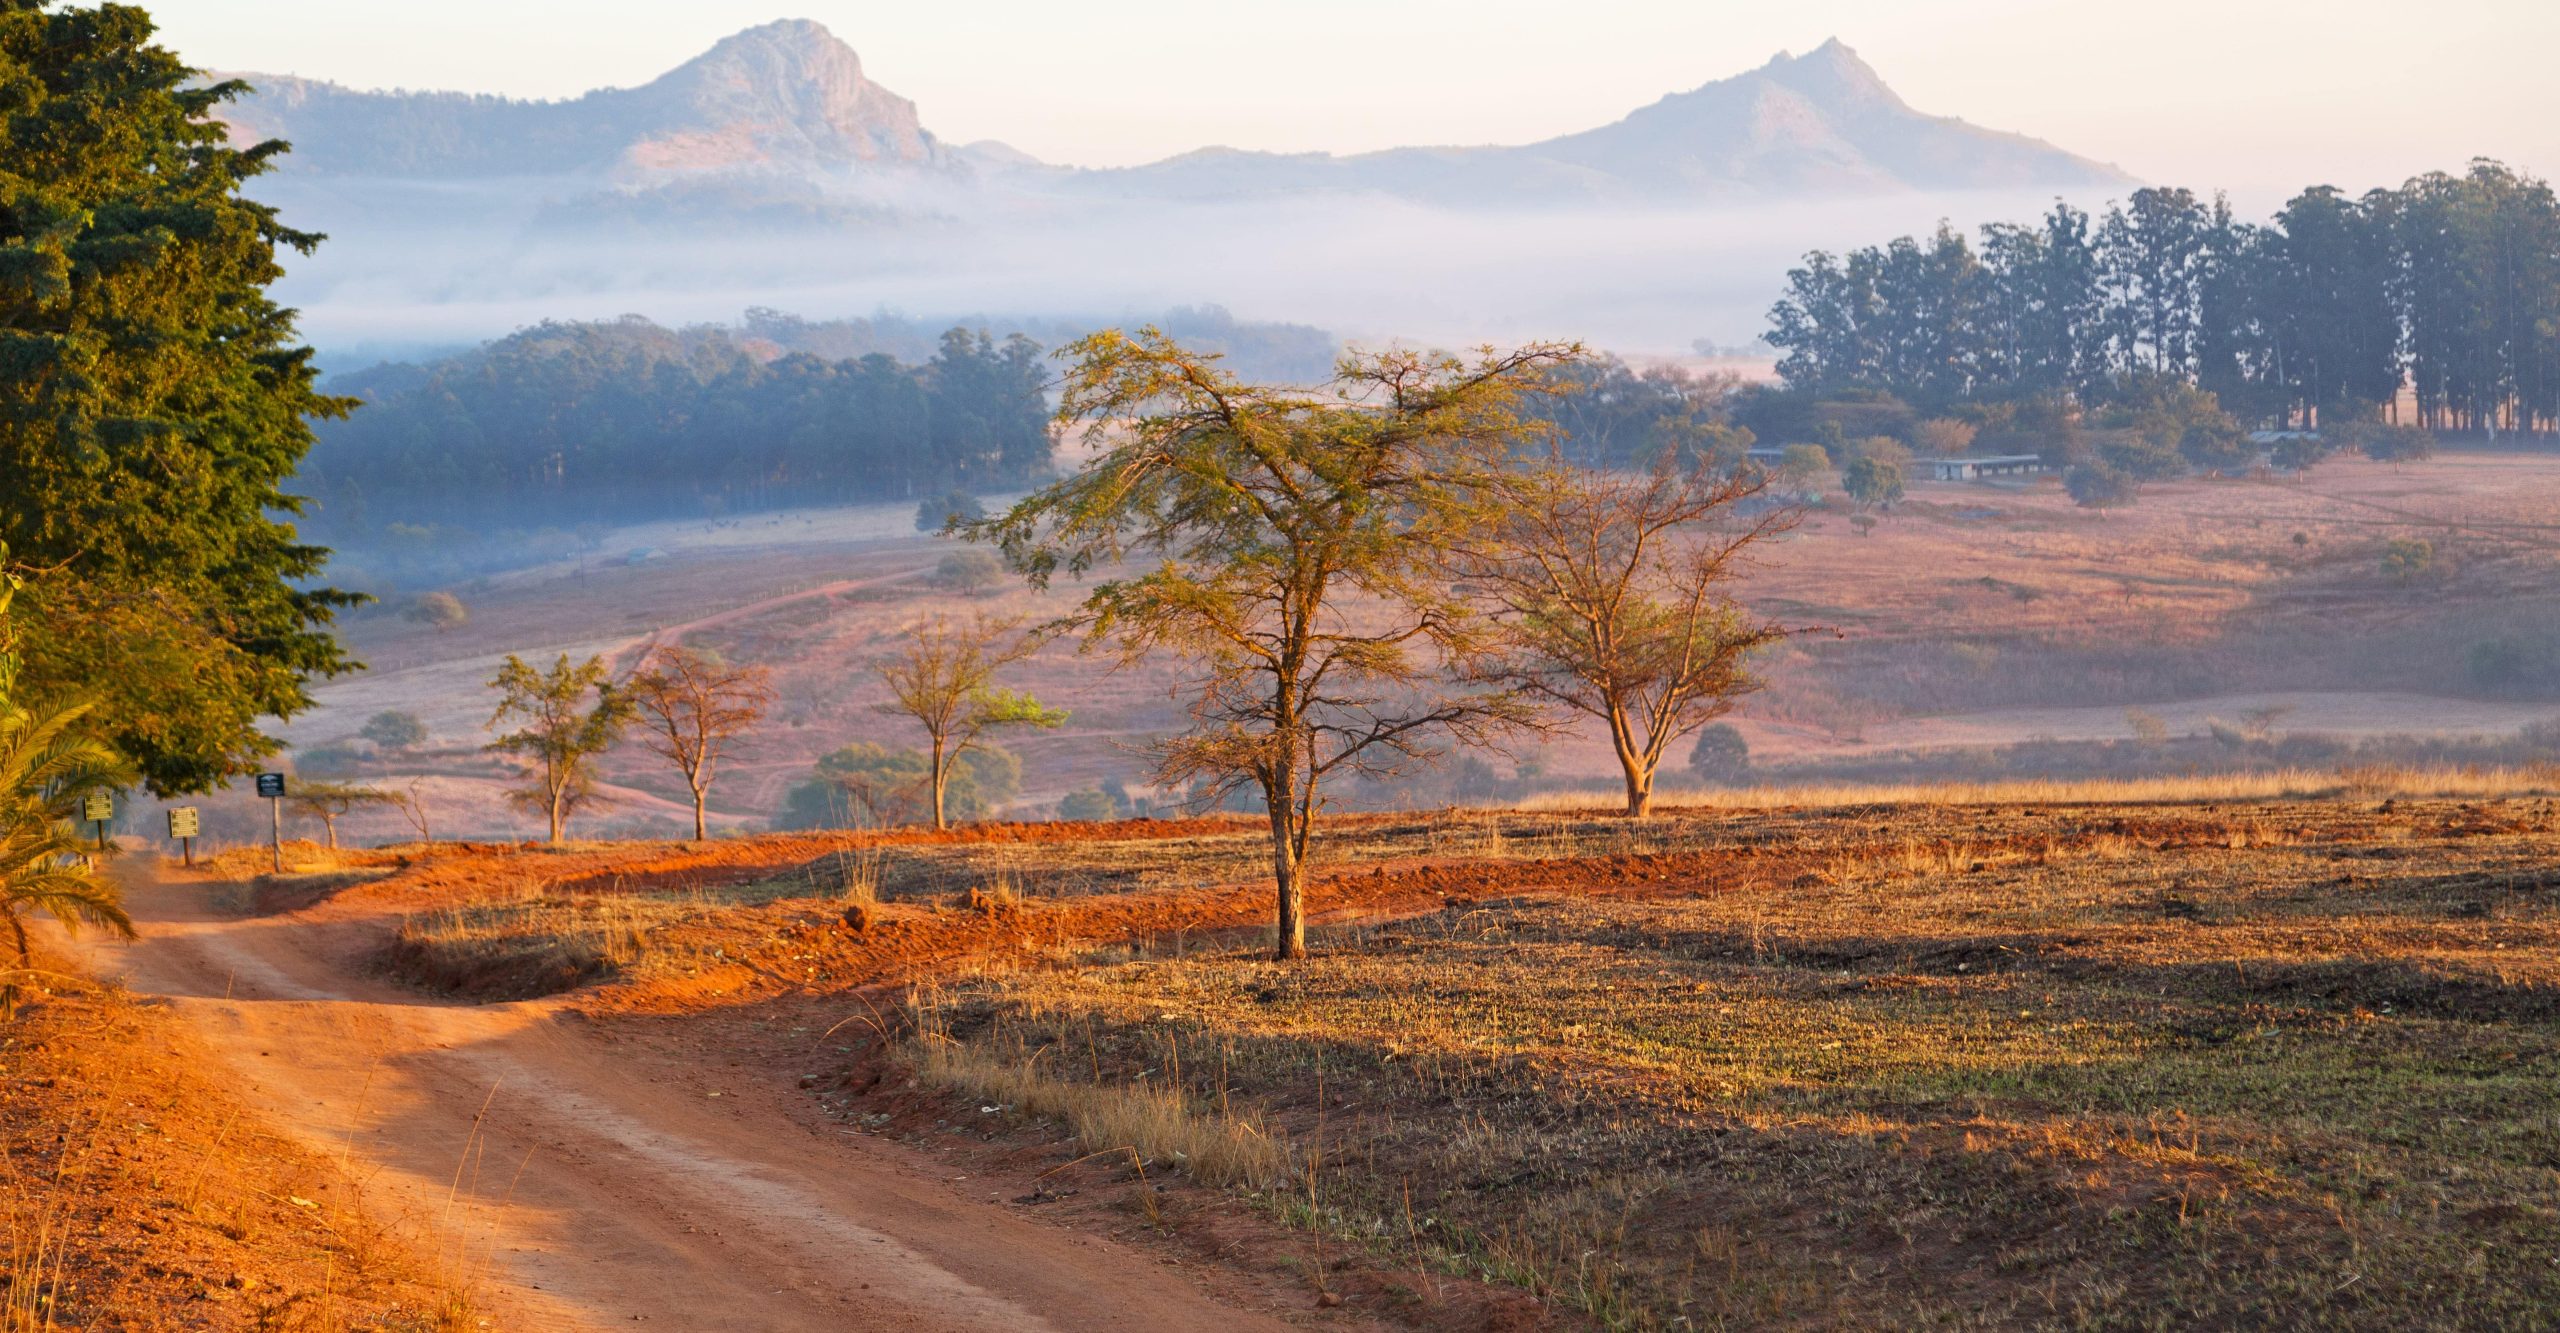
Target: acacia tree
x,y
572,713
944,679
330,802
1615,605
695,704
1299,542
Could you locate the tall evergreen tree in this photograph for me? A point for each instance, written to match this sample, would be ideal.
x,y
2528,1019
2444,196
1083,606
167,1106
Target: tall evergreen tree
x,y
153,401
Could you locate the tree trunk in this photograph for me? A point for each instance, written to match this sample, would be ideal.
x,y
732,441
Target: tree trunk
x,y
330,823
556,820
939,823
1639,793
1289,941
698,826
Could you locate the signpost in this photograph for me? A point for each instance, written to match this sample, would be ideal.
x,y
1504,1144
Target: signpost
x,y
99,808
271,786
184,824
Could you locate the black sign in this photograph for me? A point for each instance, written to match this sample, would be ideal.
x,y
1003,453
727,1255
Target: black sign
x,y
271,784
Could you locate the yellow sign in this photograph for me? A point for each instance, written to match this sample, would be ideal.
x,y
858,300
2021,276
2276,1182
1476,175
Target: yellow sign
x,y
184,822
98,808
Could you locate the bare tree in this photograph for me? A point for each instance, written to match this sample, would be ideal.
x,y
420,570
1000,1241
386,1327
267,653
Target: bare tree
x,y
693,705
1614,599
945,679
572,713
1297,538
330,802
412,806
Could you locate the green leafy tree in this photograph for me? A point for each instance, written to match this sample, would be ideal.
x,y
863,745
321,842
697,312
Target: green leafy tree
x,y
865,785
437,610
572,713
1872,482
1293,548
944,679
1721,754
153,403
2095,485
395,731
935,513
47,768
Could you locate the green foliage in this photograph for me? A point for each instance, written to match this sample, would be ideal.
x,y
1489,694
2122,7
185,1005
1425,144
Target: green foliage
x,y
1872,482
2100,485
47,768
395,731
1607,414
866,785
1093,805
1799,464
1249,516
571,714
970,570
2406,558
2322,313
1721,754
934,513
628,419
153,402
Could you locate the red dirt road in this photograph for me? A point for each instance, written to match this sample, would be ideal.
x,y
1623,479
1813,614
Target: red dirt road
x,y
577,1182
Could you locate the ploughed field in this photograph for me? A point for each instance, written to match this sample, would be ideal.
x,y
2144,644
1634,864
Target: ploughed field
x,y
2015,1064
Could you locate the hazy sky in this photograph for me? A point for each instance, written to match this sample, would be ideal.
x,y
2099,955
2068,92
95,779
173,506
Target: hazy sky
x,y
2250,94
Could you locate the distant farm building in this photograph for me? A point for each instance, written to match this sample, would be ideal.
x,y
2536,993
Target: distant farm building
x,y
1976,469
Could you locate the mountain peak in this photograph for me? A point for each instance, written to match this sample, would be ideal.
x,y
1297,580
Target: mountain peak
x,y
1833,75
785,91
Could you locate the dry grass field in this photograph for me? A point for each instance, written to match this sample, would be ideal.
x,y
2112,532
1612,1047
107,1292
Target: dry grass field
x,y
2017,1058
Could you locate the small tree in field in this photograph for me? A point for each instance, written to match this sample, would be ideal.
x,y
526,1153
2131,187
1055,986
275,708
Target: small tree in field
x,y
438,610
694,704
330,802
1872,482
1299,543
571,714
945,679
1616,602
395,731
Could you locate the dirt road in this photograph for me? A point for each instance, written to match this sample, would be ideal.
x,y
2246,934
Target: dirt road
x,y
584,1182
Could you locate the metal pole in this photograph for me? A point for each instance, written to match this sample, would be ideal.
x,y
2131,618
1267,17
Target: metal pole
x,y
190,845
275,817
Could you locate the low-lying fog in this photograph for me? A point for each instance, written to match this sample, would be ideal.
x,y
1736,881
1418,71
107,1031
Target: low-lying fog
x,y
417,265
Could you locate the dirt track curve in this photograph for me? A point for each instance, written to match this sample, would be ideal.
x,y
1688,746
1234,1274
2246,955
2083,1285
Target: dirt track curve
x,y
582,1184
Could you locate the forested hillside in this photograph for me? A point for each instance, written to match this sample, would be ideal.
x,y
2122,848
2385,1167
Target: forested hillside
x,y
597,422
2448,284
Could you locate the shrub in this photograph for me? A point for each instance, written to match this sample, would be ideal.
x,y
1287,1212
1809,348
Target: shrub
x,y
395,731
970,570
1721,754
2405,558
438,610
934,513
1943,437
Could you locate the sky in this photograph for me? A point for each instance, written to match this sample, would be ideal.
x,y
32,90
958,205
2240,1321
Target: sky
x,y
2245,94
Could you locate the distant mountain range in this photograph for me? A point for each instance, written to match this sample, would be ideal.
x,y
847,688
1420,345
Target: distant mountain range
x,y
786,106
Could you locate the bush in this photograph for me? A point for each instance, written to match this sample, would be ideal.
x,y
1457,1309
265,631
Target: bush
x,y
935,513
970,570
395,731
1943,437
2405,558
1721,754
2096,485
440,610
1872,481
